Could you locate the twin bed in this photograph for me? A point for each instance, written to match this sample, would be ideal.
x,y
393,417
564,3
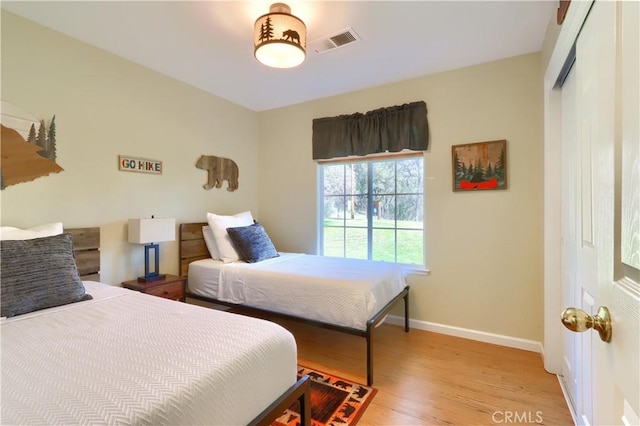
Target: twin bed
x,y
124,357
347,295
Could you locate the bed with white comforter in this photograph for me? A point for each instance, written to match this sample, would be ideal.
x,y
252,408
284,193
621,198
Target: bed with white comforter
x,y
339,291
129,358
231,260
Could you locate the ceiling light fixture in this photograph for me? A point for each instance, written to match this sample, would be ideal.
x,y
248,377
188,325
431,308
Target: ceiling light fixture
x,y
279,38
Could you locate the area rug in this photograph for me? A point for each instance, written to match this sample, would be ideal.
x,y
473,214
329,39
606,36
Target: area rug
x,y
334,401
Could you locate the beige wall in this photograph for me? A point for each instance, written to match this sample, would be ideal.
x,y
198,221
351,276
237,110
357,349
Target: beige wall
x,y
484,249
104,107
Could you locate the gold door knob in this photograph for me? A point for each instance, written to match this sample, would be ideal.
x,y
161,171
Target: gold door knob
x,y
578,320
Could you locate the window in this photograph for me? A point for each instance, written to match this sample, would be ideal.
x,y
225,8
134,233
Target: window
x,y
373,209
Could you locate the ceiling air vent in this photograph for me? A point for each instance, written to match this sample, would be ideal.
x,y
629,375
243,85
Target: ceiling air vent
x,y
333,41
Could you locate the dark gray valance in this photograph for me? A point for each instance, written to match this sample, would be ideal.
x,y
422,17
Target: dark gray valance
x,y
389,129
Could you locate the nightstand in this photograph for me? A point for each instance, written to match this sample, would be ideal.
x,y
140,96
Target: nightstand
x,y
169,287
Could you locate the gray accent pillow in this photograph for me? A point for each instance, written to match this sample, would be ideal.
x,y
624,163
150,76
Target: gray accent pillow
x,y
252,243
37,274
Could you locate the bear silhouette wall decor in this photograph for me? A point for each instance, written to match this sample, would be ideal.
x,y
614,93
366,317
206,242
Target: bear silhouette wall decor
x,y
219,169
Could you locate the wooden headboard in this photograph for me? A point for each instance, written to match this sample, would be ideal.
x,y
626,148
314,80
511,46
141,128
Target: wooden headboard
x,y
192,245
86,248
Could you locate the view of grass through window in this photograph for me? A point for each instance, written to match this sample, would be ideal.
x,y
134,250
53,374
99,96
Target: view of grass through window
x,y
374,210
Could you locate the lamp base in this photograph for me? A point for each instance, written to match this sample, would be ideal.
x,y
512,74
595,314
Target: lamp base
x,y
151,275
151,278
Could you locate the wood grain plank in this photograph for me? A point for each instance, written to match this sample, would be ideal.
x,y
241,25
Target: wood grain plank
x,y
87,262
192,246
191,231
91,277
86,248
184,263
85,238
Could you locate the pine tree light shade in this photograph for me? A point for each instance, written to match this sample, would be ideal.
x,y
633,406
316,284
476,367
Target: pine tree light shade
x,y
279,38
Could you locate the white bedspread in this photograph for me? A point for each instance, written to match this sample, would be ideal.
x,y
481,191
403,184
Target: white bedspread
x,y
339,291
129,358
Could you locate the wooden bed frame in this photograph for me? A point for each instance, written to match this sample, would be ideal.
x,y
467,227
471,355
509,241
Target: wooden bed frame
x,y
86,248
193,247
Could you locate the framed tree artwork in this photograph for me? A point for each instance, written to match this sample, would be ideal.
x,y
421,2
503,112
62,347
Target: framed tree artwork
x,y
479,166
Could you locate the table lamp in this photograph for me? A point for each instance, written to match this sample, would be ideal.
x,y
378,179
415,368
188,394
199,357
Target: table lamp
x,y
150,232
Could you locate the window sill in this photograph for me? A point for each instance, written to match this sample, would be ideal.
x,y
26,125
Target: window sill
x,y
416,270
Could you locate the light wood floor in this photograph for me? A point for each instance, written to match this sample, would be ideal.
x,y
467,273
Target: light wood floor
x,y
427,378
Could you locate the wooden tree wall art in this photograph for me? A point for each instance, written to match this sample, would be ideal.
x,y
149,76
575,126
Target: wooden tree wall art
x,y
219,169
26,155
479,166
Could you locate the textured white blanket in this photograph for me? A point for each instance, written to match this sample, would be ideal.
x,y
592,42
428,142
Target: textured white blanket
x,y
129,358
339,291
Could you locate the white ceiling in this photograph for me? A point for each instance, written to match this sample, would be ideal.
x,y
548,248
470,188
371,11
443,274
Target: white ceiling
x,y
208,44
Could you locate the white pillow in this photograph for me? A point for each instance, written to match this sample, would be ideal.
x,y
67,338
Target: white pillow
x,y
40,231
210,241
219,225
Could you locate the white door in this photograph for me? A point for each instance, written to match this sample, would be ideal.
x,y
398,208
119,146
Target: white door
x,y
601,213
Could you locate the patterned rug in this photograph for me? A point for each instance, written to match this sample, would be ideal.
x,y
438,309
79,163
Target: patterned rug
x,y
334,401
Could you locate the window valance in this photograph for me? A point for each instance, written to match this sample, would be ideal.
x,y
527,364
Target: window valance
x,y
389,129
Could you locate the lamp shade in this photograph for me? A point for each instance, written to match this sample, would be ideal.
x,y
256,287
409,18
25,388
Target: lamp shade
x,y
145,231
279,38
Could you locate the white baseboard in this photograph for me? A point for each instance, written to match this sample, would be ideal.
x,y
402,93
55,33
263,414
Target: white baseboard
x,y
481,336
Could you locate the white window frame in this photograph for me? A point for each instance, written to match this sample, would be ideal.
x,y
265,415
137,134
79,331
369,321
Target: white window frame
x,y
416,268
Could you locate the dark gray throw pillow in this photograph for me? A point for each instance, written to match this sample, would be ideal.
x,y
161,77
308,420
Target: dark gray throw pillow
x,y
37,274
252,242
